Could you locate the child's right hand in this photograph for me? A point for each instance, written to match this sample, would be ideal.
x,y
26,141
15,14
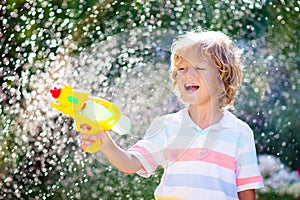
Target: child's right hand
x,y
118,157
89,140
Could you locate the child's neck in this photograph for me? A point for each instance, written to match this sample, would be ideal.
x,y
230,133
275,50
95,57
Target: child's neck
x,y
204,117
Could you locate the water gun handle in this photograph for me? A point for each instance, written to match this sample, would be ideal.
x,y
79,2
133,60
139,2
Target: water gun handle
x,y
86,126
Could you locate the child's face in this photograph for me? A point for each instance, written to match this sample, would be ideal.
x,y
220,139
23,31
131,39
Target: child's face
x,y
197,80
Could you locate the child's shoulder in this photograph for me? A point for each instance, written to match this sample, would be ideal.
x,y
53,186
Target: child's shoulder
x,y
172,119
177,116
163,122
237,123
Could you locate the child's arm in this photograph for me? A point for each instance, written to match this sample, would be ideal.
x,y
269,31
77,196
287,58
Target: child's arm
x,y
118,157
247,195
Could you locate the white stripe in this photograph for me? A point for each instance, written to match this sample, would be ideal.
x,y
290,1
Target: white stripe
x,y
226,148
192,193
200,168
250,186
249,170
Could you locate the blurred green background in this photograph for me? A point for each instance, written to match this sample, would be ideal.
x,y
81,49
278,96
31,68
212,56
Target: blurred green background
x,y
45,42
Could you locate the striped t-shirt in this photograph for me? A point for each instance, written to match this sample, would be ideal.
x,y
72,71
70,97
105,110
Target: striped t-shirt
x,y
212,163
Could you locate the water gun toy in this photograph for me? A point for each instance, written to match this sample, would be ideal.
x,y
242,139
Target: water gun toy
x,y
91,115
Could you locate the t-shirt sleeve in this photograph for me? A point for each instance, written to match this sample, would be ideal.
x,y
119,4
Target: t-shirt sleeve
x,y
247,171
149,151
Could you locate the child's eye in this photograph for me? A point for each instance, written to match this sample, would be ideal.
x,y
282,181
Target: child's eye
x,y
181,69
199,68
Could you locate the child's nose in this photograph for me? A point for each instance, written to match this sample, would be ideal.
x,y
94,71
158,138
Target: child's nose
x,y
190,71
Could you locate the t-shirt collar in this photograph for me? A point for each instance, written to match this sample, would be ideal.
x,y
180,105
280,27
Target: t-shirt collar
x,y
228,120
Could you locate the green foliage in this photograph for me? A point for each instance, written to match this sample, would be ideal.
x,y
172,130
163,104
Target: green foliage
x,y
274,196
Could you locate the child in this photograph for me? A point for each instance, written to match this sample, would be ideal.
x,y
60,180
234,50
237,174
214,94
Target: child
x,y
206,152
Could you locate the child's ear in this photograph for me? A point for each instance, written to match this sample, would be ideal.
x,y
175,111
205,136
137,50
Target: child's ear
x,y
174,73
177,60
231,103
221,86
220,78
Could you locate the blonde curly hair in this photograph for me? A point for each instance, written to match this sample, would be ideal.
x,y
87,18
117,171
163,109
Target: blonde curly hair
x,y
218,48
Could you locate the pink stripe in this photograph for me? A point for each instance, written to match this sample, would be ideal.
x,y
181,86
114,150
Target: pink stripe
x,y
200,154
146,154
245,181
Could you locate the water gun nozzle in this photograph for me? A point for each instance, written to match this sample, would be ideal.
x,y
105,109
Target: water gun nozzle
x,y
55,92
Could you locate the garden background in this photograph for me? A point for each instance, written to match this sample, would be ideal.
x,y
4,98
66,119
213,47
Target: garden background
x,y
119,50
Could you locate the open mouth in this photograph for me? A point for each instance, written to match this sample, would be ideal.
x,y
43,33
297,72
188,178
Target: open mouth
x,y
191,87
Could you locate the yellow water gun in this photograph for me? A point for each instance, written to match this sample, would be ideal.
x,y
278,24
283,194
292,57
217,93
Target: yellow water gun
x,y
88,111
